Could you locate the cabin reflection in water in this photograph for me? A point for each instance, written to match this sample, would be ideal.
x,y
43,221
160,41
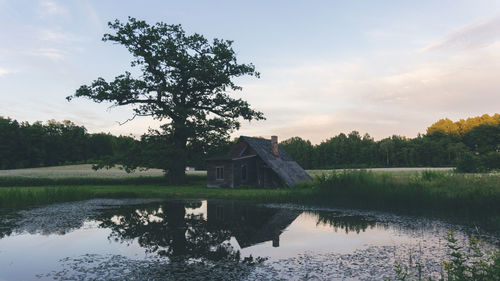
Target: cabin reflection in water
x,y
249,224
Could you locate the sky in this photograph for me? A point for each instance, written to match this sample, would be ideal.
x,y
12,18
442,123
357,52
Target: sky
x,y
378,67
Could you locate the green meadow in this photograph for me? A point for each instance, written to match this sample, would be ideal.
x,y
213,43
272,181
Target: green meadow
x,y
474,197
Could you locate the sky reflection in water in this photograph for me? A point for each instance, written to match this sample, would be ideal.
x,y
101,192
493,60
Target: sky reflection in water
x,y
220,233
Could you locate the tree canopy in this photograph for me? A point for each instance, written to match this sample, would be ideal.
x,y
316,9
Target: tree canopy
x,y
185,80
463,126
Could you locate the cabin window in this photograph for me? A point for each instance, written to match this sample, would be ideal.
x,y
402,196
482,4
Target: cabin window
x,y
244,172
219,173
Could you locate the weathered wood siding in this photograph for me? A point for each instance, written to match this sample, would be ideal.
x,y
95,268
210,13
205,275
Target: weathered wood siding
x,y
212,180
251,168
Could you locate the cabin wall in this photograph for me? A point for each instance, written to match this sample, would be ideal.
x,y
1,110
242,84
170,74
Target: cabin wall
x,y
212,180
251,170
266,177
249,151
258,173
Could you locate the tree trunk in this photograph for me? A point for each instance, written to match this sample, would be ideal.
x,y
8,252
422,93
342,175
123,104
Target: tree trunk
x,y
175,213
177,171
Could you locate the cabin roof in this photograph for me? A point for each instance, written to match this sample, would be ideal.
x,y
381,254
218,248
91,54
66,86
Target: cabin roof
x,y
278,222
284,166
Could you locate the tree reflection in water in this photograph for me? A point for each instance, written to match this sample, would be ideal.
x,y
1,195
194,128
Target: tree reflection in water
x,y
356,223
168,231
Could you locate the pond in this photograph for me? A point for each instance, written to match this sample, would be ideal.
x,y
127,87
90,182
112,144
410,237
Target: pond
x,y
133,239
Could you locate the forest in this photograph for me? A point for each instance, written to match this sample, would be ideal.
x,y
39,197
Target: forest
x,y
472,145
24,145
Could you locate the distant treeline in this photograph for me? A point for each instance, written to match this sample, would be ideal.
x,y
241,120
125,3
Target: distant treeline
x,y
471,144
24,145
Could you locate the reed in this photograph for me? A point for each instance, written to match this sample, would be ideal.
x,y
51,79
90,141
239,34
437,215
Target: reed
x,y
13,197
441,191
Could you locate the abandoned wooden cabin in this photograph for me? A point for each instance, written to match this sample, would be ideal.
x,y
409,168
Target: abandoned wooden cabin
x,y
255,161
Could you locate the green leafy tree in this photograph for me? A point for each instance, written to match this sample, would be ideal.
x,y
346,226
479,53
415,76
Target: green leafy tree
x,y
386,148
301,150
483,139
184,80
469,163
491,161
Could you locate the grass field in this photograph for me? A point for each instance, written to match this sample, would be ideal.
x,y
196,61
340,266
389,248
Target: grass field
x,y
86,171
420,192
77,171
84,175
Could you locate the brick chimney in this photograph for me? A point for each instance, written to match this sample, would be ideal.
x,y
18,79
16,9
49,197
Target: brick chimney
x,y
274,146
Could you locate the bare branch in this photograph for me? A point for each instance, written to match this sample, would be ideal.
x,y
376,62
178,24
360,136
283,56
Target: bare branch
x,y
130,119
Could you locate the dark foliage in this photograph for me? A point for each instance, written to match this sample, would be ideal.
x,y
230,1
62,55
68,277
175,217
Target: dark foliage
x,y
475,151
24,145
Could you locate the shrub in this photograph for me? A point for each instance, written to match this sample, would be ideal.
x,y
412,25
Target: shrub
x,y
491,160
429,175
469,164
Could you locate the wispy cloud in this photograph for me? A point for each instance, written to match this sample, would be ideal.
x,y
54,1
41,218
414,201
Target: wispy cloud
x,y
470,36
55,36
49,8
92,15
49,53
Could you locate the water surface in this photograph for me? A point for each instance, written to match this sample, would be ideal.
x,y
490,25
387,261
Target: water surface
x,y
108,239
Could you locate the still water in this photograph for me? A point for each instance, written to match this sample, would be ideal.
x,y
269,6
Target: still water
x,y
108,239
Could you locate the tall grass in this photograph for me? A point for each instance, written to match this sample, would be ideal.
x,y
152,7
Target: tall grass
x,y
19,197
467,195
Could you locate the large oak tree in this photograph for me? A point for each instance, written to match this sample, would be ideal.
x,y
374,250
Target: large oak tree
x,y
184,80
